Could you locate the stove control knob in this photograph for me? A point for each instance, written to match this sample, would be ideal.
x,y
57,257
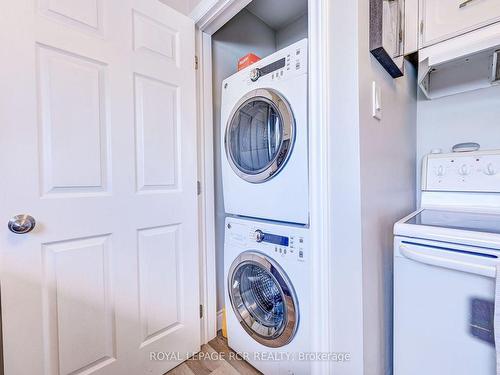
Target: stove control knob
x,y
464,170
490,170
259,235
440,171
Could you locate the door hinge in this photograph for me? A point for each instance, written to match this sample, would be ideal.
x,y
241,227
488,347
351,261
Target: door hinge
x,y
198,187
196,62
201,311
421,27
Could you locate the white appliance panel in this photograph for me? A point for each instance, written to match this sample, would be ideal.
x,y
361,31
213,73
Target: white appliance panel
x,y
443,318
471,172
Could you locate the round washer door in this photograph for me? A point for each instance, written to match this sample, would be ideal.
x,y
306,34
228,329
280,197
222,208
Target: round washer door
x,y
263,299
260,135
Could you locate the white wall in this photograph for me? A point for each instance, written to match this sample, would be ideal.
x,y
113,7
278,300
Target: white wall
x,y
375,168
388,149
388,152
229,44
347,300
469,117
295,31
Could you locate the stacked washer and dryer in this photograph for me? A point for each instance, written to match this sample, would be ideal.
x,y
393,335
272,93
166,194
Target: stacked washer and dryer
x,y
265,186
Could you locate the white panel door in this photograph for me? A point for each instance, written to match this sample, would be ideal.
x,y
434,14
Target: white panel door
x,y
97,143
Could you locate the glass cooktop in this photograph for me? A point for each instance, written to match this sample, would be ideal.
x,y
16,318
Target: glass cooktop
x,y
470,221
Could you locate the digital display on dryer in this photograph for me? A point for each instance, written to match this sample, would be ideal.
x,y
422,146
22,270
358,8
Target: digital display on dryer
x,y
273,66
275,239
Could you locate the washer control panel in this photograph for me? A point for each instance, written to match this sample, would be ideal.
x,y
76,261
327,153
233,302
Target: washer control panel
x,y
284,245
477,171
282,241
289,244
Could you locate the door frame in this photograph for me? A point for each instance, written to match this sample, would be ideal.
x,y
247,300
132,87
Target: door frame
x,y
209,16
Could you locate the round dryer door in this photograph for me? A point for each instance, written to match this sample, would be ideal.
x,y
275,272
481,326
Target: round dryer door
x,y
259,135
263,299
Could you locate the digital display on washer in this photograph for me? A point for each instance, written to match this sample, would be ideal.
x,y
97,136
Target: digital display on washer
x,y
273,66
275,239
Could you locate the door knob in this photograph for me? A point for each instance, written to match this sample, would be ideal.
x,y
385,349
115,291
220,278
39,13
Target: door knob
x,y
21,224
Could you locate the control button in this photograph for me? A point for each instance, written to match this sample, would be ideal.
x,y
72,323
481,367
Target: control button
x,y
297,65
284,251
301,254
301,240
259,235
490,170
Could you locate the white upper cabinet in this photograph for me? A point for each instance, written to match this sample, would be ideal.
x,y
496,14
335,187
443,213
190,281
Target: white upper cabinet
x,y
444,19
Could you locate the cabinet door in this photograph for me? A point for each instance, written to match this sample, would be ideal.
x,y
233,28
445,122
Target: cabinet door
x,y
444,19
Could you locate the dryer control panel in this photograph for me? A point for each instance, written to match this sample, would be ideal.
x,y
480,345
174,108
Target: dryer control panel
x,y
287,63
290,63
476,171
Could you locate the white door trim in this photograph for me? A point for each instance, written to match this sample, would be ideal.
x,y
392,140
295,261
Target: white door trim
x,y
206,200
209,16
320,156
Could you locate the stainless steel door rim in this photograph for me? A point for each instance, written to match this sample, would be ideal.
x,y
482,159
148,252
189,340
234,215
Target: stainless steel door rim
x,y
274,280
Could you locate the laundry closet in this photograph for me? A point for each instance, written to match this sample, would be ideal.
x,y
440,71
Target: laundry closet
x,y
260,137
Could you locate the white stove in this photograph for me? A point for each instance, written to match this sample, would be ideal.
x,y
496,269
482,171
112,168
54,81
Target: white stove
x,y
445,259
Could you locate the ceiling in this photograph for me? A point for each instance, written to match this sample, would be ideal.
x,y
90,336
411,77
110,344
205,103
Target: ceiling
x,y
277,14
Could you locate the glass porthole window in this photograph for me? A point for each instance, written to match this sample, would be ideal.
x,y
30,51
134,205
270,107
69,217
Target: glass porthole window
x,y
263,299
259,135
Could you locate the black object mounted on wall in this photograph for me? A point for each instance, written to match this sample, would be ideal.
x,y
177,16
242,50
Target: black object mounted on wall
x,y
386,34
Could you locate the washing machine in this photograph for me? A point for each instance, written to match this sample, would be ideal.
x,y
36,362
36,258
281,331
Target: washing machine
x,y
264,138
267,274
